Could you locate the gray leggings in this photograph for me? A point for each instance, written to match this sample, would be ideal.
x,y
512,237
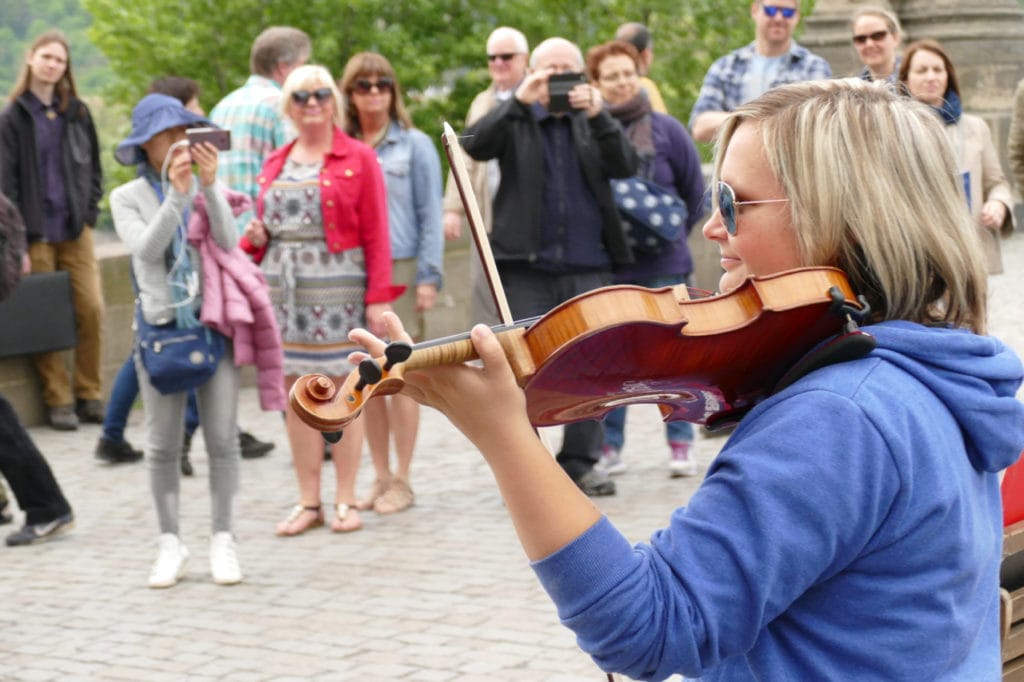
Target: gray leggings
x,y
165,426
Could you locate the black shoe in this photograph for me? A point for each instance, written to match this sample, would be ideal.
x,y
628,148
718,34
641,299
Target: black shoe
x,y
595,483
89,411
116,452
41,532
252,448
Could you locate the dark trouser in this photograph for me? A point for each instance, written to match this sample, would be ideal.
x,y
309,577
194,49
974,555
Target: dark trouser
x,y
533,292
27,472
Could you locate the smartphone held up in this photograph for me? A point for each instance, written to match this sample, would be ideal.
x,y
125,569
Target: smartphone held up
x,y
218,137
559,85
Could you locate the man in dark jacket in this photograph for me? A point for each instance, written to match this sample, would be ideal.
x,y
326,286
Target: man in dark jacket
x,y
47,512
556,232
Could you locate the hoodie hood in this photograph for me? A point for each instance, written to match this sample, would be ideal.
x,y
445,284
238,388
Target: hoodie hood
x,y
976,377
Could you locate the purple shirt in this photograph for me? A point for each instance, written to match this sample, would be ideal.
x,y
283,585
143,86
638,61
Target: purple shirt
x,y
49,128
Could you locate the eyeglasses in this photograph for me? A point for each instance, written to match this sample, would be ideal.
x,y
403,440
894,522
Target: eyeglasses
x,y
725,201
504,56
364,85
875,37
772,10
321,95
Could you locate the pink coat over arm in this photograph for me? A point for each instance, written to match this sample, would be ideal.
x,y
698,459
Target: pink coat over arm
x,y
236,302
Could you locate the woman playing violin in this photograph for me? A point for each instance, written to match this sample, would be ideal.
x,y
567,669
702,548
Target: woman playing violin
x,y
857,507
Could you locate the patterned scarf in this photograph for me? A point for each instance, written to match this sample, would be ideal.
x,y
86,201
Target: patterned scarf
x,y
951,108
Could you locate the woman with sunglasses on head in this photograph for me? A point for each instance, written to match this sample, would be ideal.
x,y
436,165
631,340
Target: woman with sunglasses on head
x,y
375,114
876,37
850,528
930,77
668,158
322,240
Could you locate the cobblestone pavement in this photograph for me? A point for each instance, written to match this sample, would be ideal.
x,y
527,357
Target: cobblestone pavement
x,y
440,593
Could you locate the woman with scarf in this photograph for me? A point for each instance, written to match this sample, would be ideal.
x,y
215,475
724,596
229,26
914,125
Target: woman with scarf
x,y
668,158
150,216
929,75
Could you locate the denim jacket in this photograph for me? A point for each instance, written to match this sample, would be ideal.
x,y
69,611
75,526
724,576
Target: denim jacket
x,y
412,173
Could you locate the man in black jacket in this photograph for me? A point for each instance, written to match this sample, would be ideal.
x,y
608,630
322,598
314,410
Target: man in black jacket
x,y
47,512
556,232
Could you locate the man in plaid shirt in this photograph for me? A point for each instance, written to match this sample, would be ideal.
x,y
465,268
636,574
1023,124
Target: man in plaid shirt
x,y
773,59
253,112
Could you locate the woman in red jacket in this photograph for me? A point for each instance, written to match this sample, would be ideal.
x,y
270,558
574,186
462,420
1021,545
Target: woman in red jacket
x,y
322,239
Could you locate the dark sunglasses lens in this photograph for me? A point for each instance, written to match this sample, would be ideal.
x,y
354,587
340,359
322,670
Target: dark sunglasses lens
x,y
504,56
364,86
322,95
772,10
301,96
727,206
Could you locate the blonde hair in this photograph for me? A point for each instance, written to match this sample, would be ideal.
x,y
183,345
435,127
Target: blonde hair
x,y
311,77
891,21
874,191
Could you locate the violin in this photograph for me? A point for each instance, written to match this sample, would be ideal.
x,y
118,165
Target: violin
x,y
704,360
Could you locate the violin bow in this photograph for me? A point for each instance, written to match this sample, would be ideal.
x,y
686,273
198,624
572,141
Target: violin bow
x,y
453,150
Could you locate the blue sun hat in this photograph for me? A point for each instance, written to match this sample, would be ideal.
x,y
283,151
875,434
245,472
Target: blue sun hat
x,y
154,114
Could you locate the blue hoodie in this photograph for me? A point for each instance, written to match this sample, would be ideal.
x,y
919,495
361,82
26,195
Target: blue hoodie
x,y
849,529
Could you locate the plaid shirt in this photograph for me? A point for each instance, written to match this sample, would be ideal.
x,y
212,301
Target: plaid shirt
x,y
253,115
722,89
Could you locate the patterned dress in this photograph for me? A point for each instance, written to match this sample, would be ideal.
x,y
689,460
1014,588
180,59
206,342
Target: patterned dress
x,y
318,296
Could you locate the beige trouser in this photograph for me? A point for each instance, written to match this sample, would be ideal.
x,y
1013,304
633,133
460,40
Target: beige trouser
x,y
78,258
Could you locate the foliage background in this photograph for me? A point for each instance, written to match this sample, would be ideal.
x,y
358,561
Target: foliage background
x,y
436,46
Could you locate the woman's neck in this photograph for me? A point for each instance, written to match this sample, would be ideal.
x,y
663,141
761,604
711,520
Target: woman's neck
x,y
42,91
313,143
371,126
882,74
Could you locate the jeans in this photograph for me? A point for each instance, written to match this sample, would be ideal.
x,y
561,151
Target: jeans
x,y
615,421
122,397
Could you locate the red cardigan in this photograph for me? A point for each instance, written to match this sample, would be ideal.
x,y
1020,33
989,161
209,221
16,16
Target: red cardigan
x,y
353,202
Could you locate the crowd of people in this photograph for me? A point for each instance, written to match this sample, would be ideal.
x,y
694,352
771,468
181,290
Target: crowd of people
x,y
320,233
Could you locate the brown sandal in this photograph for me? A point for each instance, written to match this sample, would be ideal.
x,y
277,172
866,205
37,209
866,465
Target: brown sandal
x,y
346,519
300,519
398,498
379,488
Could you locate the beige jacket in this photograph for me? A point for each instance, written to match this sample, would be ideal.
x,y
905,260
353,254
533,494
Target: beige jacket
x,y
482,103
974,152
1015,142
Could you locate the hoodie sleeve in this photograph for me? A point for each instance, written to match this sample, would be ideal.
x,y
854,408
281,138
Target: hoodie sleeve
x,y
755,537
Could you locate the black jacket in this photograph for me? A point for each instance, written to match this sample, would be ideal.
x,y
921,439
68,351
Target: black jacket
x,y
80,160
511,134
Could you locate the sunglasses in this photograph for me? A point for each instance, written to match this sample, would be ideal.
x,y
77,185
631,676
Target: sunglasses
x,y
321,95
724,199
504,56
363,85
875,37
772,10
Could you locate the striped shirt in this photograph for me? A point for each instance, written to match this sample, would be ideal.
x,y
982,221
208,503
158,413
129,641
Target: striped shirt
x,y
253,115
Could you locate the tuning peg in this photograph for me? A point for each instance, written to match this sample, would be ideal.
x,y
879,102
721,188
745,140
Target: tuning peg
x,y
396,352
331,437
369,373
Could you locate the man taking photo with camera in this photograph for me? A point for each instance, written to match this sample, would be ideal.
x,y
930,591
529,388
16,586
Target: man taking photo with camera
x,y
556,232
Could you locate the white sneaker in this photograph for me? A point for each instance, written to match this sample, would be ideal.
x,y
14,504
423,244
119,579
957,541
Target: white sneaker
x,y
170,563
611,461
681,462
224,559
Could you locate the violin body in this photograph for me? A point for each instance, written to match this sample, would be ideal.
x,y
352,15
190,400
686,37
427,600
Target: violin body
x,y
705,361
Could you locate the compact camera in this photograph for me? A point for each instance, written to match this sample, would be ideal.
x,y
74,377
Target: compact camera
x,y
559,85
